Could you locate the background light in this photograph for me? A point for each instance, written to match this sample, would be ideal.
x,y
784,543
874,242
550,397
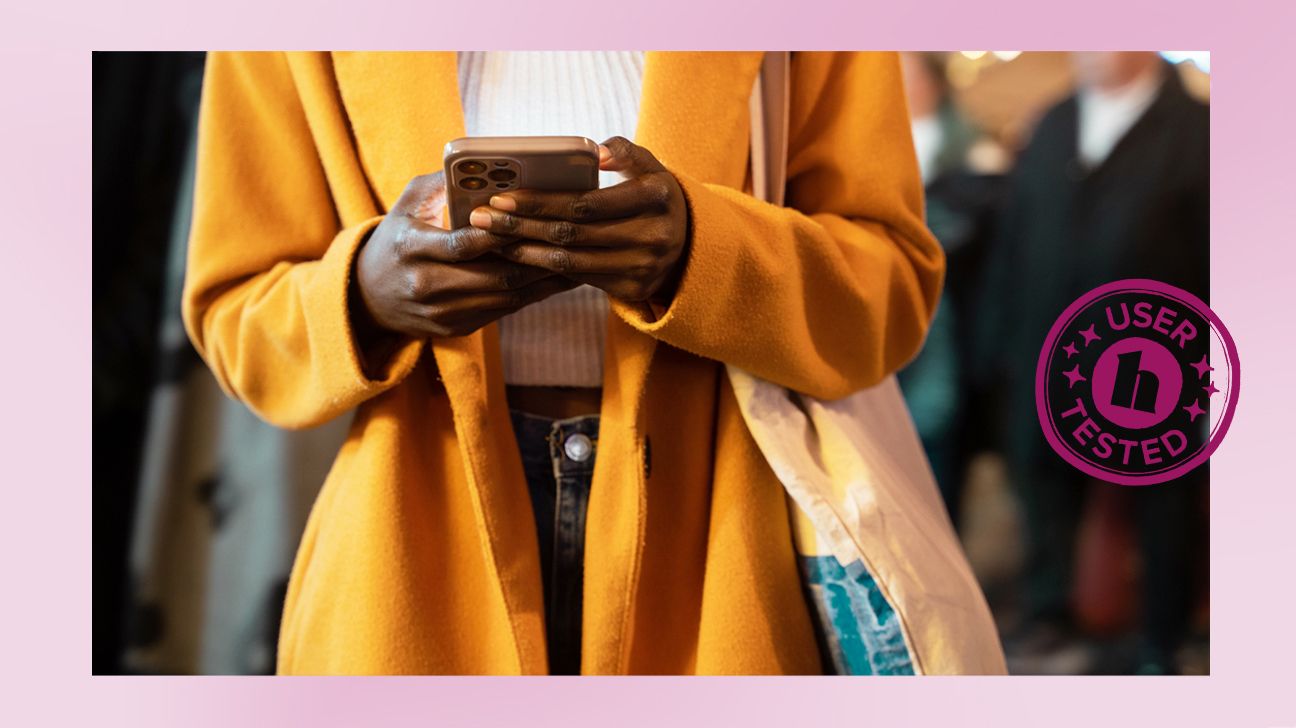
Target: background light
x,y
1201,59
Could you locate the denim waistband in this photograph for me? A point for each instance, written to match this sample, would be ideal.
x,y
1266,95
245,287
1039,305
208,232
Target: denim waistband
x,y
541,441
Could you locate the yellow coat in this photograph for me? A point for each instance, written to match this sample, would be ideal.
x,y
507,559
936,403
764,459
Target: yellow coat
x,y
420,554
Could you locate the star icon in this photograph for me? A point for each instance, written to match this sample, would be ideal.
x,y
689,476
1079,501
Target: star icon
x,y
1193,410
1089,335
1073,375
1203,366
1070,350
1210,389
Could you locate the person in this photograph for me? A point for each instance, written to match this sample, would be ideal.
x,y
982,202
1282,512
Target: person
x,y
962,196
1113,184
499,401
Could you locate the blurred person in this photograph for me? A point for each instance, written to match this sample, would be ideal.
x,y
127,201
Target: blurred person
x,y
1113,184
573,490
144,106
961,200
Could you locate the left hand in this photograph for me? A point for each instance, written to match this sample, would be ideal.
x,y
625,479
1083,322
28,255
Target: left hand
x,y
628,239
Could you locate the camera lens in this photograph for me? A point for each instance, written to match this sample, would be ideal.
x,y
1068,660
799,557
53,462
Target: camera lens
x,y
502,175
471,166
472,183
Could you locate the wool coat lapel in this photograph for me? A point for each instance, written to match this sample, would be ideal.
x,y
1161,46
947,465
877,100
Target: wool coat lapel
x,y
694,114
689,119
403,108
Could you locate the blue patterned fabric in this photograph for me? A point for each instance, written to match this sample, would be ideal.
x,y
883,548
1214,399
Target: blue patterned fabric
x,y
859,632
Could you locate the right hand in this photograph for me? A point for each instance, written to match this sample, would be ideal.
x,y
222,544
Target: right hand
x,y
416,278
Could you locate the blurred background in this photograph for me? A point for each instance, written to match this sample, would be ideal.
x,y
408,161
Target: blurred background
x,y
1046,174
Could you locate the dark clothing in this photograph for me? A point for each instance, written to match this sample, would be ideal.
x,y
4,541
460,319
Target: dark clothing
x,y
1140,213
558,460
941,396
1171,539
144,107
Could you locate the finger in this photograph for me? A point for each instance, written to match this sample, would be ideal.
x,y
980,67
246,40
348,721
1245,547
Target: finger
x,y
499,303
433,211
632,197
469,313
576,261
419,191
616,233
417,240
628,158
490,273
617,286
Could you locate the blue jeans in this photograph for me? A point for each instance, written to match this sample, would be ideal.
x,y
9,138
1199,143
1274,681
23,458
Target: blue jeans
x,y
558,460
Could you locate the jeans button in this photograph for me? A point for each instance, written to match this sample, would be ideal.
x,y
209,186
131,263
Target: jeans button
x,y
578,447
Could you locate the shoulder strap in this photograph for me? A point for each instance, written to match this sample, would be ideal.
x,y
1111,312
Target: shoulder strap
x,y
769,127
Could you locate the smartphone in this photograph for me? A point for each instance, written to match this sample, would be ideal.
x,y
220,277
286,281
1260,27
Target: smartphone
x,y
478,167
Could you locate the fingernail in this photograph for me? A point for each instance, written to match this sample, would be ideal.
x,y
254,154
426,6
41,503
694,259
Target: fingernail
x,y
604,153
480,218
500,202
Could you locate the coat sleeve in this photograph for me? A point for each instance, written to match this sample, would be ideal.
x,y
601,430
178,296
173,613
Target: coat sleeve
x,y
269,267
835,291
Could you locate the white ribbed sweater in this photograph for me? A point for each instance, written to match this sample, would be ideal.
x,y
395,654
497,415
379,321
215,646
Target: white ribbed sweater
x,y
558,341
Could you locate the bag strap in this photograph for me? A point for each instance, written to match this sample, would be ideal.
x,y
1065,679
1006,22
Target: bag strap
x,y
769,127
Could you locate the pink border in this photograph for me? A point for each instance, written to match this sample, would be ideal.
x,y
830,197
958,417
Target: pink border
x,y
1050,346
45,303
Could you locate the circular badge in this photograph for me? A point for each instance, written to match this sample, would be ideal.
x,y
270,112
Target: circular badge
x,y
1137,382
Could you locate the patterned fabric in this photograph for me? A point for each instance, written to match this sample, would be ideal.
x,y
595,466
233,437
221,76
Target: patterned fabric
x,y
859,633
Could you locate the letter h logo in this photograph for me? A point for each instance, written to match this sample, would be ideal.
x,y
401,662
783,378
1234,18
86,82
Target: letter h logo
x,y
1134,388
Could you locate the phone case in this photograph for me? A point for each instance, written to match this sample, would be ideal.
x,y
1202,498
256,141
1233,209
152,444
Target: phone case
x,y
478,167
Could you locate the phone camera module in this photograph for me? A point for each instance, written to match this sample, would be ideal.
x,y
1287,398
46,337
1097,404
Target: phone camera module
x,y
472,183
471,166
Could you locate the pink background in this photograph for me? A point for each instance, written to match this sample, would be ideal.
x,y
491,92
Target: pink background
x,y
45,201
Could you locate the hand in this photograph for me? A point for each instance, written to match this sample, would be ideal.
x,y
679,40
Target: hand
x,y
628,239
416,278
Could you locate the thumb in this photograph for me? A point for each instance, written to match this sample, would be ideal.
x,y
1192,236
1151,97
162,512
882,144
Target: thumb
x,y
619,154
422,195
